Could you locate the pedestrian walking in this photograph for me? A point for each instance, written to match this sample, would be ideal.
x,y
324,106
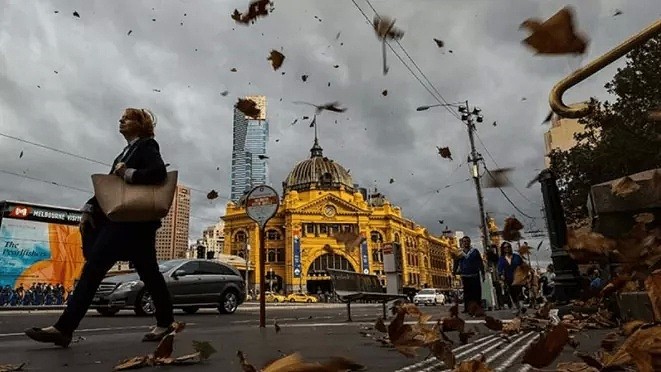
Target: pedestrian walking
x,y
507,265
105,242
469,265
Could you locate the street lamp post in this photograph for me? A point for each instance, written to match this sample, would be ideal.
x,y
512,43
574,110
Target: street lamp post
x,y
246,257
271,278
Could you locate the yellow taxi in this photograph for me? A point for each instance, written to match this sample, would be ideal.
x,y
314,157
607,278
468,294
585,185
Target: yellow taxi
x,y
274,297
301,297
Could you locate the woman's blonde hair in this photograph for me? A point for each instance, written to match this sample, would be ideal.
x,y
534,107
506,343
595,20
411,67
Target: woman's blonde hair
x,y
146,121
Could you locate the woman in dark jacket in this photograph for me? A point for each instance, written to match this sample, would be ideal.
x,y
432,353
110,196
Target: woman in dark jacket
x,y
507,265
105,242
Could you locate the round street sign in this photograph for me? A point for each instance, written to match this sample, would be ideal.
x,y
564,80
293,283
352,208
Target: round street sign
x,y
262,204
366,272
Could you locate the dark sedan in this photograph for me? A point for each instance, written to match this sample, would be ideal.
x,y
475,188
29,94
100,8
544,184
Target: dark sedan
x,y
193,284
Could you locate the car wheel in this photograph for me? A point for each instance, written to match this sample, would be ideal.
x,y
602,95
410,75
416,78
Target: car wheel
x,y
292,300
190,309
107,312
229,302
144,304
275,300
309,301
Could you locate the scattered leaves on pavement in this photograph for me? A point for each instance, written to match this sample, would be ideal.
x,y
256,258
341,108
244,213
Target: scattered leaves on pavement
x,y
544,351
474,365
295,362
276,59
512,327
11,367
556,35
204,348
653,287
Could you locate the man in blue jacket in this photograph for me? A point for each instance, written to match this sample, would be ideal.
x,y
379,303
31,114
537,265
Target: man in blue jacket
x,y
469,265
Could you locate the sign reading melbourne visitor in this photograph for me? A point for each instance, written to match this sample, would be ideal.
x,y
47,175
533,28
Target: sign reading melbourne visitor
x,y
262,204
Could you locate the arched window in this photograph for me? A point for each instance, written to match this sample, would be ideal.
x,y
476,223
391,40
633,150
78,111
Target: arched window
x,y
270,256
397,240
376,237
330,261
240,237
273,234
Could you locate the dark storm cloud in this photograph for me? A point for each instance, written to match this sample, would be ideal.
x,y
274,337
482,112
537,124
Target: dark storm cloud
x,y
101,70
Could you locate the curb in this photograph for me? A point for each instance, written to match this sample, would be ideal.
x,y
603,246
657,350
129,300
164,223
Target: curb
x,y
33,307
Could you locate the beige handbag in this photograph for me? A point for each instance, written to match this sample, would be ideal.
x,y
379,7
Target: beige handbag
x,y
122,202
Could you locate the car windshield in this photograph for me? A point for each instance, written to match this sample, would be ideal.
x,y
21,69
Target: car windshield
x,y
165,266
427,291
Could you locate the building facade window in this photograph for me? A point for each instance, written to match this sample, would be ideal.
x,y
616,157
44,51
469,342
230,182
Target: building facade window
x,y
376,237
273,234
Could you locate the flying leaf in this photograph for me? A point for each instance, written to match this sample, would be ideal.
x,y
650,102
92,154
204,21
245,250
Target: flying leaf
x,y
75,14
247,367
224,93
385,29
204,348
129,33
20,155
624,186
512,228
248,107
524,249
276,326
304,77
556,35
276,59
385,92
392,180
521,274
452,324
350,239
583,245
233,69
548,117
444,152
258,8
498,178
443,351
262,157
454,311
617,13
547,348
213,194
493,323
439,43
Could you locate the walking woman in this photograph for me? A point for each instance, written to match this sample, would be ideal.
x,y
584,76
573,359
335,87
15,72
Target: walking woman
x,y
507,265
106,242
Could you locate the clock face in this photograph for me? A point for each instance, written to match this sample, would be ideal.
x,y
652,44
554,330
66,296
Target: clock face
x,y
330,211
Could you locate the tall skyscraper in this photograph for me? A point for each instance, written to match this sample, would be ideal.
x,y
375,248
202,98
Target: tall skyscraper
x,y
172,237
250,136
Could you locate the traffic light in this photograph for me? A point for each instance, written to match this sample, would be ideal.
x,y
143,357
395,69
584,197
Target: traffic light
x,y
201,251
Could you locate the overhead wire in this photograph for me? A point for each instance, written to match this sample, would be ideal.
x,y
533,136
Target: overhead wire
x,y
74,188
507,197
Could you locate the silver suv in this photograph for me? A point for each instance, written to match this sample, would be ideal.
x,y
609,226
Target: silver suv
x,y
192,283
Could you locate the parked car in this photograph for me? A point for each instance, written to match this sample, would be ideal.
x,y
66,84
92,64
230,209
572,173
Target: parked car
x,y
193,284
274,297
301,297
429,296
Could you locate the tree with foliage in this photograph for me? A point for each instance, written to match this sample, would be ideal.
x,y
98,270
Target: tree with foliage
x,y
619,138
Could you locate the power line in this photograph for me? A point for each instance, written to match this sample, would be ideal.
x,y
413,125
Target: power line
x,y
419,69
507,197
505,176
84,158
53,183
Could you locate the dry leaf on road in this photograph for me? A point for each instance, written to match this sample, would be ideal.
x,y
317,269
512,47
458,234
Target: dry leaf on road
x,y
512,327
473,365
11,367
547,348
653,287
493,323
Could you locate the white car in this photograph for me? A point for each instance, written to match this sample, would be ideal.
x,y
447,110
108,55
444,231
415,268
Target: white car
x,y
429,296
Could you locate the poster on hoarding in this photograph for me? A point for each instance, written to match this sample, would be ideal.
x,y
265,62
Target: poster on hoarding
x,y
39,252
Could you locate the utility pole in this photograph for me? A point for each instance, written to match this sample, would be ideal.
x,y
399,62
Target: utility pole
x,y
475,158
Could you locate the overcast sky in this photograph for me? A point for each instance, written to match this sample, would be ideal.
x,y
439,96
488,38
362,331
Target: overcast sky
x,y
64,82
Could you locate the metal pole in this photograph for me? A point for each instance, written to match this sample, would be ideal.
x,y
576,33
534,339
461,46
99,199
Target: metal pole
x,y
475,158
262,277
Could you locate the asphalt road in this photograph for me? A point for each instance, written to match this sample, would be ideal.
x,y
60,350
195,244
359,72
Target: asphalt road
x,y
317,331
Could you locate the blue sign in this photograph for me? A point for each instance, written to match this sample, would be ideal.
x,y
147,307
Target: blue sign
x,y
297,257
365,258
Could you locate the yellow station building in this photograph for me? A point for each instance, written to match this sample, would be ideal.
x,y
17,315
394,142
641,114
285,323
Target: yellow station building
x,y
319,198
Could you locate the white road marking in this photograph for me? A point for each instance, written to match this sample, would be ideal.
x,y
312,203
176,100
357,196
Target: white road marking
x,y
433,359
508,362
104,329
